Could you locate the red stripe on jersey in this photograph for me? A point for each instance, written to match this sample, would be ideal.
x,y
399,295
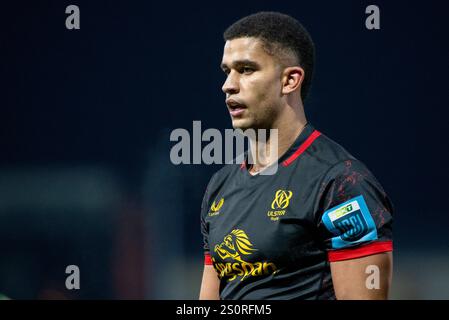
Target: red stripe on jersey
x,y
366,250
207,259
315,134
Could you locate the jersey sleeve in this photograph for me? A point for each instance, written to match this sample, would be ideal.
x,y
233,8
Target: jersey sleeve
x,y
205,226
354,214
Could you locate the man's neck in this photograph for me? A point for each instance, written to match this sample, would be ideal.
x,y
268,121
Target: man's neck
x,y
288,128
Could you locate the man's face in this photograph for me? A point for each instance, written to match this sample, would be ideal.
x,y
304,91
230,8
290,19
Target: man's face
x,y
253,84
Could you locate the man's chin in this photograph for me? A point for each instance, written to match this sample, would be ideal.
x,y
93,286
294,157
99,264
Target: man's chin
x,y
241,124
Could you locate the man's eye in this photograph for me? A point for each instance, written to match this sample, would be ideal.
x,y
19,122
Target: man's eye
x,y
247,69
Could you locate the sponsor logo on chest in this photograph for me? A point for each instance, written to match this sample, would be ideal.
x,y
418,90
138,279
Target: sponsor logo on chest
x,y
233,253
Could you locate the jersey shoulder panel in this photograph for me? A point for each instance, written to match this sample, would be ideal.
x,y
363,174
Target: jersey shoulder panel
x,y
328,152
216,182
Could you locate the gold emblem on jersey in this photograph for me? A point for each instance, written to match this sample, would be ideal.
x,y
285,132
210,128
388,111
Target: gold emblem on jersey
x,y
215,207
281,201
235,247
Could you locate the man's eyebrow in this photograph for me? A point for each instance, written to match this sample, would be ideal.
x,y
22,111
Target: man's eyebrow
x,y
239,63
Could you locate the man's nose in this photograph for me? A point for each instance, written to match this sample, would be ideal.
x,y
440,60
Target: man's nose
x,y
231,84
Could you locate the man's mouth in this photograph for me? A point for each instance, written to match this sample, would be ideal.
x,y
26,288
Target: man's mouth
x,y
235,108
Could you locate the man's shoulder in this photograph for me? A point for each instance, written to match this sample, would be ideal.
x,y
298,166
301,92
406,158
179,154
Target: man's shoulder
x,y
336,161
217,181
328,153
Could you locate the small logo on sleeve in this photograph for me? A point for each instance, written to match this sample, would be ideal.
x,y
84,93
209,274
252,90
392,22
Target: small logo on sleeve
x,y
350,222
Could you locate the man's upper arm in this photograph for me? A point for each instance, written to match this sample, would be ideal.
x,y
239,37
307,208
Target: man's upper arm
x,y
210,284
365,278
355,223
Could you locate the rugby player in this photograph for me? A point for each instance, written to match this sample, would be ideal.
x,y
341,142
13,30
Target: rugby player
x,y
321,226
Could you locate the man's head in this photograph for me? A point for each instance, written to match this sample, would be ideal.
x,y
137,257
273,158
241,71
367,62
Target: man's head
x,y
267,58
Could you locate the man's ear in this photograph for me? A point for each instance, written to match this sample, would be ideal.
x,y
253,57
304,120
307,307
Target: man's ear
x,y
292,79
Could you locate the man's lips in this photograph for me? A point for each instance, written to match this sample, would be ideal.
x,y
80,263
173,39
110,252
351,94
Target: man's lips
x,y
235,108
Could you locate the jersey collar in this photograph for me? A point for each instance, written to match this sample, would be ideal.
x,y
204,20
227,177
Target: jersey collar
x,y
302,142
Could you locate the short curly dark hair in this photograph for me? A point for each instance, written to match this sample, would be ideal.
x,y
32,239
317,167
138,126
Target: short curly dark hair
x,y
279,33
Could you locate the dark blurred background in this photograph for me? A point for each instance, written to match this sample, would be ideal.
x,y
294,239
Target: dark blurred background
x,y
86,115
